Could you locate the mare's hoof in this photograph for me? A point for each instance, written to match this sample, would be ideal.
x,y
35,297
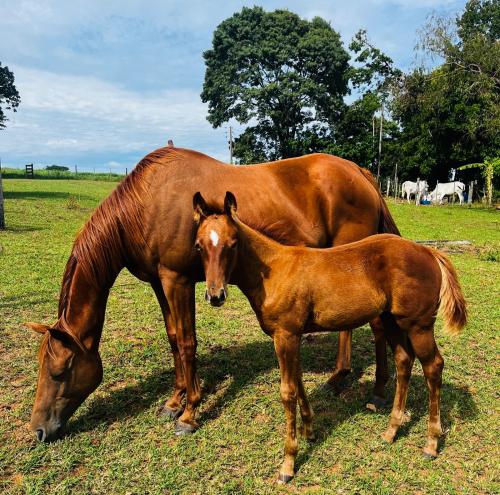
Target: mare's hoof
x,y
170,413
284,478
182,428
376,403
429,456
334,386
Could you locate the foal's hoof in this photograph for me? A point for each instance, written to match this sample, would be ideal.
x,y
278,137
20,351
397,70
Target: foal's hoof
x,y
376,403
284,478
182,428
170,413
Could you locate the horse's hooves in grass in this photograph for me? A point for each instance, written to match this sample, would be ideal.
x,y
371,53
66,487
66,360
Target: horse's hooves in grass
x,y
284,478
170,413
429,456
334,387
376,403
184,428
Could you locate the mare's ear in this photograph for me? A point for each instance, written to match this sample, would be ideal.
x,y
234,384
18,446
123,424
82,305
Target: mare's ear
x,y
37,327
66,338
200,207
230,205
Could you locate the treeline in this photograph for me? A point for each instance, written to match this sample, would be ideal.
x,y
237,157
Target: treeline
x,y
286,79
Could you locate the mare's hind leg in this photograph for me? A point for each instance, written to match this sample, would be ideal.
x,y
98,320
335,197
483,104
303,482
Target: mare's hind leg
x,y
404,358
173,407
343,365
378,399
422,340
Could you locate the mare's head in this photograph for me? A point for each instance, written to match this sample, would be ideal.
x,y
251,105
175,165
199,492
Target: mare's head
x,y
68,374
217,243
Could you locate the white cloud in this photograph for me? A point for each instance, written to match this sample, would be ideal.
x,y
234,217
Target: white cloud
x,y
62,114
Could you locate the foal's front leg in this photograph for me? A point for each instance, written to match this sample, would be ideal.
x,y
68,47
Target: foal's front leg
x,y
287,346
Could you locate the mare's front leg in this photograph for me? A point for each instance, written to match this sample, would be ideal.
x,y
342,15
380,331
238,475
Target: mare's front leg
x,y
179,291
173,407
287,347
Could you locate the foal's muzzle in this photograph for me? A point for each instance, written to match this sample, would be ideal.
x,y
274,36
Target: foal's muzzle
x,y
216,299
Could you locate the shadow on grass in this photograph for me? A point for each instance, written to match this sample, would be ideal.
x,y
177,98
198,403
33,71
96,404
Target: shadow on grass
x,y
244,363
42,195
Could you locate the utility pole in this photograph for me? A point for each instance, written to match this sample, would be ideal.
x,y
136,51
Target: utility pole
x,y
2,214
230,144
380,142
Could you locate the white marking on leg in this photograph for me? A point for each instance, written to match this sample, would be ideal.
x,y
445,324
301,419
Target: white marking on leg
x,y
214,237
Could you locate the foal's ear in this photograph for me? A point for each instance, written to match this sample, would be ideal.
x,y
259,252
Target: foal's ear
x,y
37,327
230,205
200,207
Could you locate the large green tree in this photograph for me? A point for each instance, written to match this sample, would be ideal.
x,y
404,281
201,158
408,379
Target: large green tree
x,y
9,100
9,96
451,115
280,74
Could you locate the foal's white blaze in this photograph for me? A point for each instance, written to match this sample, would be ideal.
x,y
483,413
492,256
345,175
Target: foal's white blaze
x,y
214,237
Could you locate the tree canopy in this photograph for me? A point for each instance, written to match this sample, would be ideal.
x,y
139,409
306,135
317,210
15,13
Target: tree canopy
x,y
287,79
450,115
9,96
277,72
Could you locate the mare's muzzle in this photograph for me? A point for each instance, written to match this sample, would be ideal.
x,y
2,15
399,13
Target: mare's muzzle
x,y
48,432
216,298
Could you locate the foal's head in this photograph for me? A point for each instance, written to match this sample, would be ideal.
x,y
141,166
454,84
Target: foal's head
x,y
217,243
68,374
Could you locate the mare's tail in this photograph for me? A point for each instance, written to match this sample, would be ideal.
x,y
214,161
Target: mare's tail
x,y
386,223
452,306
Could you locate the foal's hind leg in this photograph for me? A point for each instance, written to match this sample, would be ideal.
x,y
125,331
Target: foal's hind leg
x,y
404,358
306,412
428,354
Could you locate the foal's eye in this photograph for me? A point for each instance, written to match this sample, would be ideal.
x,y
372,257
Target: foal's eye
x,y
233,244
197,246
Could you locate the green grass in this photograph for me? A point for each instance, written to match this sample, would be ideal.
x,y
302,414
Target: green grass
x,y
116,443
17,173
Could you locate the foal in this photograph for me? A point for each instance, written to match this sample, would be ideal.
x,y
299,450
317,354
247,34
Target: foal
x,y
296,290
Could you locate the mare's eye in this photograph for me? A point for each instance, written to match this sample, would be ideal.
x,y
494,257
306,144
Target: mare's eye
x,y
233,244
197,246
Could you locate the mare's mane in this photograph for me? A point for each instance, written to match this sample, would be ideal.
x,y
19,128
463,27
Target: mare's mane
x,y
103,245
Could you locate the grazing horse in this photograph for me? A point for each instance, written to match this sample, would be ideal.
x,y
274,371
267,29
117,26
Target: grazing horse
x,y
448,189
295,290
146,226
409,188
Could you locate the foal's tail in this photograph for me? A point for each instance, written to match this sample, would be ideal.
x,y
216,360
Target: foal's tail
x,y
386,223
452,306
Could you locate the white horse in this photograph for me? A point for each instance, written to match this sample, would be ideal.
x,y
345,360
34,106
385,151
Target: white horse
x,y
448,189
409,188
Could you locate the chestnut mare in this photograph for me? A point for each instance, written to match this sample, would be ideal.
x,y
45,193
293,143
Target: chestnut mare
x,y
146,225
296,290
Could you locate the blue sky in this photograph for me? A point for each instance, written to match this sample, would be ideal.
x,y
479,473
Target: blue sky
x,y
102,83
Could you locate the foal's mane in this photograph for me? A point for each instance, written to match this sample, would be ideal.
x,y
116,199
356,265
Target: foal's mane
x,y
104,244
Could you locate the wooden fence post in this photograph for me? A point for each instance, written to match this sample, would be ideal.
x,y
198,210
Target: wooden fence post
x,y
417,194
471,190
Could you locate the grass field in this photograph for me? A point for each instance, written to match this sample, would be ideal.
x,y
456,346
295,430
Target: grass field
x,y
116,443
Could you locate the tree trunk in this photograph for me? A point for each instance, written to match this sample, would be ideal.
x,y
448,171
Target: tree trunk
x,y
2,215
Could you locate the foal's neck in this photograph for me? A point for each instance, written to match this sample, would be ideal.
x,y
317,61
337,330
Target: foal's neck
x,y
255,258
